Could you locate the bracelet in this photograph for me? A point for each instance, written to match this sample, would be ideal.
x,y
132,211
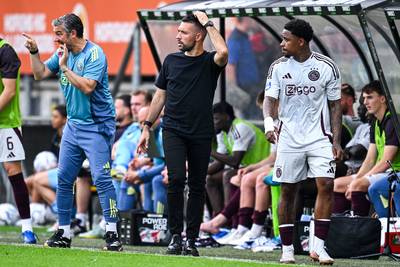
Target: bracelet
x,y
269,124
34,52
148,123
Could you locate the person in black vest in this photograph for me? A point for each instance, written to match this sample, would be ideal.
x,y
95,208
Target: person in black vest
x,y
186,87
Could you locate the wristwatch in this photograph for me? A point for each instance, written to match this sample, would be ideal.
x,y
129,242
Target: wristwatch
x,y
208,24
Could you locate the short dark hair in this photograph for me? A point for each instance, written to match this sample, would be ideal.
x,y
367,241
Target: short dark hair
x,y
148,96
126,99
347,89
190,18
300,28
224,108
61,109
70,22
374,86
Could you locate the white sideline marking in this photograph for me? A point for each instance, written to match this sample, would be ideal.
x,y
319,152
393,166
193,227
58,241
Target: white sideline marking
x,y
144,253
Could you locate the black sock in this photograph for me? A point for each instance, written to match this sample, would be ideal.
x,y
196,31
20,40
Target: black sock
x,y
21,195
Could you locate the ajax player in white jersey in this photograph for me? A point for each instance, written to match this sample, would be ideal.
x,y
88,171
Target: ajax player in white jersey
x,y
306,87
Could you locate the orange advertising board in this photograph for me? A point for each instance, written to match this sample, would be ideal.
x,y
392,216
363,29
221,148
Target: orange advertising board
x,y
109,23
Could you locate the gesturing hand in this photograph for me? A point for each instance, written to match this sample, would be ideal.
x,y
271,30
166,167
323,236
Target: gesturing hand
x,y
62,52
30,44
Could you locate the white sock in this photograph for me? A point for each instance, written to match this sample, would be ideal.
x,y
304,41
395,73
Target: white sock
x,y
241,229
83,217
67,230
102,224
318,245
287,249
256,230
26,224
111,227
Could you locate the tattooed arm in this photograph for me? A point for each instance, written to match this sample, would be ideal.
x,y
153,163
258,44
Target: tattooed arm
x,y
335,112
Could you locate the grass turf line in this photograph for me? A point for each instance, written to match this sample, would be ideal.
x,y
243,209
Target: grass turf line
x,y
31,256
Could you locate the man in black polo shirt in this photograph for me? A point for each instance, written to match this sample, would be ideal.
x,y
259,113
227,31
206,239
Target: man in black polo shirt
x,y
186,87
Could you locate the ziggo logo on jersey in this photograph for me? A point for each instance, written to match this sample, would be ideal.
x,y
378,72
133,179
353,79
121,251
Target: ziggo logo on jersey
x,y
292,89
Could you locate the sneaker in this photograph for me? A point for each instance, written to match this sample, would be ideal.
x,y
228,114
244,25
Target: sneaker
x,y
322,257
247,237
175,246
189,248
263,244
233,235
96,232
29,237
77,228
207,242
222,232
58,241
319,253
112,242
287,255
236,239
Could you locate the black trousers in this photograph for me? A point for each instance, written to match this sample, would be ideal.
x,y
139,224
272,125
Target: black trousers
x,y
196,152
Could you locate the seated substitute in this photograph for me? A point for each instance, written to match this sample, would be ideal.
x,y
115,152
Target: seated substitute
x,y
383,147
240,143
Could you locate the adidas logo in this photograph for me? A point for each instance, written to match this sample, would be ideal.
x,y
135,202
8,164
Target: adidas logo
x,y
107,166
287,76
11,155
331,170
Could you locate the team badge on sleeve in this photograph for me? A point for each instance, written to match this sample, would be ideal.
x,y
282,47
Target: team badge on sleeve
x,y
268,85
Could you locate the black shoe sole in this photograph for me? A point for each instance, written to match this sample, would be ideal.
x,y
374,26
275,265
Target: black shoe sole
x,y
48,246
117,249
174,252
190,253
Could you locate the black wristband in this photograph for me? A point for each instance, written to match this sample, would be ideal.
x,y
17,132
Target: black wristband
x,y
148,123
34,52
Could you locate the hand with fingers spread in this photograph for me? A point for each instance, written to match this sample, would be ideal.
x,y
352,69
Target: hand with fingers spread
x,y
30,44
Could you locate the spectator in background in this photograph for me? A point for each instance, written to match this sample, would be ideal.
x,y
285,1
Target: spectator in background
x,y
160,183
348,98
353,157
123,115
240,144
125,147
242,70
142,170
249,200
383,147
43,185
264,49
11,149
379,196
350,121
356,149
